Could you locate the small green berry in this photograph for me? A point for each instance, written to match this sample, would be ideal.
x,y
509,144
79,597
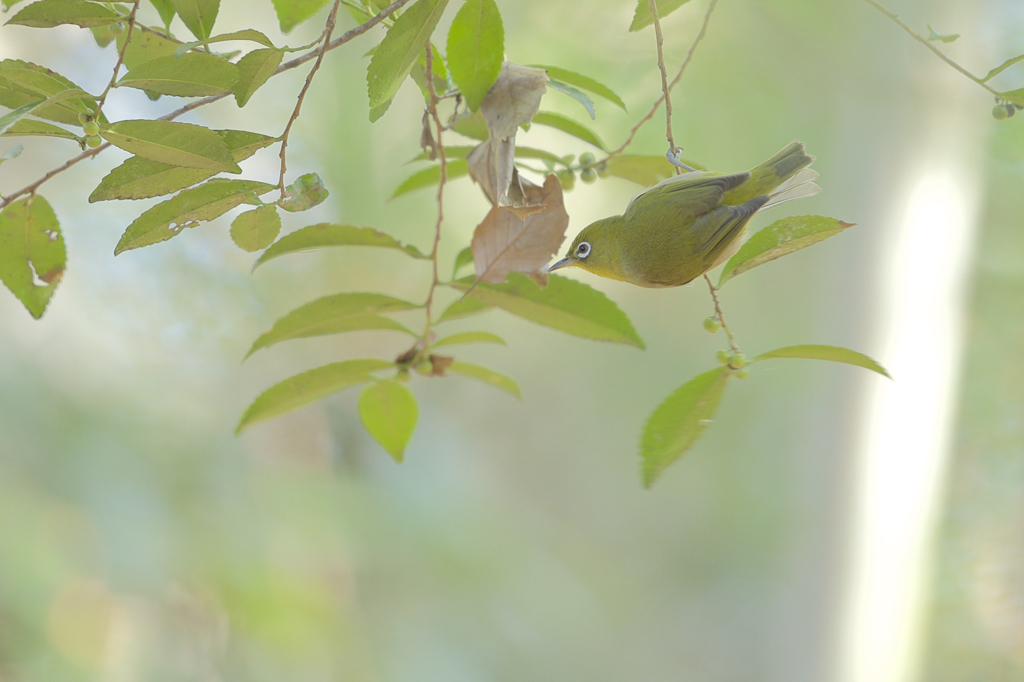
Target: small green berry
x,y
602,171
1010,109
82,118
424,368
723,357
567,178
90,128
93,141
742,373
586,159
737,361
403,375
588,175
999,112
712,325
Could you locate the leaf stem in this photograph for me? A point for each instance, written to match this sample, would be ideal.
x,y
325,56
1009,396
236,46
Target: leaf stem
x,y
325,38
120,57
721,317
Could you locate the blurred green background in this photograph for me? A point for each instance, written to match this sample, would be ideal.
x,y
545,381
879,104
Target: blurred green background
x,y
141,540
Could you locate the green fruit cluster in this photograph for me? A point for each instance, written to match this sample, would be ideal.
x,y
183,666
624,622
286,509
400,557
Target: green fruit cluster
x,y
1003,109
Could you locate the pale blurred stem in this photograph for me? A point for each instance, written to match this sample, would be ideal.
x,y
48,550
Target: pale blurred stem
x,y
924,41
721,318
432,110
325,39
191,106
120,57
657,103
653,6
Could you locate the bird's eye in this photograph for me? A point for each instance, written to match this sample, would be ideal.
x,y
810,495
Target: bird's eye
x,y
583,250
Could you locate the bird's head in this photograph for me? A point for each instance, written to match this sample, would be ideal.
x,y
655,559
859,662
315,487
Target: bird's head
x,y
595,249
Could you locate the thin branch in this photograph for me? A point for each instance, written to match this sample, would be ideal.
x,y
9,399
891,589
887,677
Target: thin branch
x,y
120,57
439,146
653,6
326,38
721,318
936,51
287,66
657,103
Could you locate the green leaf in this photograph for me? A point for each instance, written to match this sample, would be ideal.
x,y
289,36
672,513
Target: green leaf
x,y
569,126
1002,67
932,35
50,13
145,46
32,254
397,53
198,15
104,35
191,75
173,143
308,386
254,69
1014,96
12,153
256,229
473,126
451,152
565,304
330,234
306,192
389,413
139,178
333,315
469,337
464,258
22,83
291,13
165,9
476,48
642,17
206,202
587,103
831,353
12,118
643,170
779,239
431,176
26,127
582,82
249,34
419,73
488,376
464,307
677,423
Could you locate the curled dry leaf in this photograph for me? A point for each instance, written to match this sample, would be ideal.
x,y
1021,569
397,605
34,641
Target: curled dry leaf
x,y
439,363
505,242
511,102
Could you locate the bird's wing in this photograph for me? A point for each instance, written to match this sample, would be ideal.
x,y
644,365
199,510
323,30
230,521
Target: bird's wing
x,y
690,194
720,229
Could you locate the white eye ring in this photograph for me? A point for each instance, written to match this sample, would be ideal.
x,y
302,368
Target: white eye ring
x,y
583,250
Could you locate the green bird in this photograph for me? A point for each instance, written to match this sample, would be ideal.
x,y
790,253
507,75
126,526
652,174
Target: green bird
x,y
684,226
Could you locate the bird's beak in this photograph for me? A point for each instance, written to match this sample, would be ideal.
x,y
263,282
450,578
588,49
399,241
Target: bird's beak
x,y
561,264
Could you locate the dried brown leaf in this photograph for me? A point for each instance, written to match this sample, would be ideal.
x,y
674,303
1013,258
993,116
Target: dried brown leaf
x,y
505,242
439,364
513,99
427,138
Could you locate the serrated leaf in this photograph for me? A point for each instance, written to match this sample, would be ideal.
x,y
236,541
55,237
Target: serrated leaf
x,y
249,34
476,48
291,13
678,422
389,413
206,202
198,15
779,239
488,376
32,254
582,82
30,127
569,126
308,386
643,170
1002,67
145,46
464,307
565,304
330,234
22,83
139,178
333,315
191,75
1014,96
469,337
306,192
254,69
565,89
50,13
464,258
831,353
256,229
932,35
642,17
431,176
165,9
173,143
402,45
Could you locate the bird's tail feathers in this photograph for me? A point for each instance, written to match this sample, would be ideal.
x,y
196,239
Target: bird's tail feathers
x,y
797,186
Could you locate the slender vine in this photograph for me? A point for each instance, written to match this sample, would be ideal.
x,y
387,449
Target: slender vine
x,y
439,147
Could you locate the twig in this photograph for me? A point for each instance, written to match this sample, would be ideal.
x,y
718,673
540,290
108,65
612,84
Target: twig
x,y
120,57
657,103
653,6
287,66
936,51
326,38
439,146
721,318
